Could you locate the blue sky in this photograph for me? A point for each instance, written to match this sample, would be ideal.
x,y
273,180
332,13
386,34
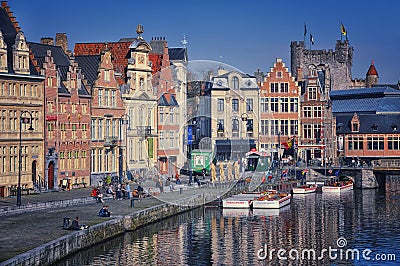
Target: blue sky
x,y
248,35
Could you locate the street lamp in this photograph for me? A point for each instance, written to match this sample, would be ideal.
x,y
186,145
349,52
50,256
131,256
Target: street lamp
x,y
124,120
22,120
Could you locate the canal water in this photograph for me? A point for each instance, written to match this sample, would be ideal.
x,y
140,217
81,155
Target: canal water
x,y
359,227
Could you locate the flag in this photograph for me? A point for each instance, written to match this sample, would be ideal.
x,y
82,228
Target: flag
x,y
311,39
330,171
337,172
305,30
344,32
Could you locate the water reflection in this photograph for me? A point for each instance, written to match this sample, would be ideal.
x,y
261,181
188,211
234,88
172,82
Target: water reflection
x,y
364,219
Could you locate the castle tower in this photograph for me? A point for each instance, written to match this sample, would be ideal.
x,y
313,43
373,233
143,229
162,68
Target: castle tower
x,y
339,62
371,78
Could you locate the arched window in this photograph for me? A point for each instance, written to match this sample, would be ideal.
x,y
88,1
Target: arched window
x,y
235,83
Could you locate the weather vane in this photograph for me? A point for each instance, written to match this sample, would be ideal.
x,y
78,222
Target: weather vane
x,y
139,29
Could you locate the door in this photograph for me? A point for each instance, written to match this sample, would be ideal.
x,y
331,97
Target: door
x,y
50,175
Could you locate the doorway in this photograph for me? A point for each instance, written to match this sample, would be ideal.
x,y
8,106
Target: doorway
x,y
50,175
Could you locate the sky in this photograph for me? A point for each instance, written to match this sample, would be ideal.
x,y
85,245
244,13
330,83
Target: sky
x,y
248,35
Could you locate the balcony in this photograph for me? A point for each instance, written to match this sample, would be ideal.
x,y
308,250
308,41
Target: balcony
x,y
111,142
144,131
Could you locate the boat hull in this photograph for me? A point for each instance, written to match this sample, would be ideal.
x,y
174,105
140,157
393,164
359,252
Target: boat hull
x,y
272,204
331,189
304,190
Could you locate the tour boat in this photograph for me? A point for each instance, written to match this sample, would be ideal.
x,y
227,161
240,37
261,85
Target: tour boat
x,y
243,200
338,187
272,201
305,189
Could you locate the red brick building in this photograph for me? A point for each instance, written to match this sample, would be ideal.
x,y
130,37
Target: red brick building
x,y
67,118
279,108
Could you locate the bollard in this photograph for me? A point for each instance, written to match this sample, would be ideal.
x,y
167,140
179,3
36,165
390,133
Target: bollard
x,y
66,222
180,190
132,202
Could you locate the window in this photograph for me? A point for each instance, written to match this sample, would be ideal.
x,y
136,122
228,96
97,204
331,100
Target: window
x,y
99,96
264,105
171,139
317,133
107,75
235,83
93,131
375,143
317,111
274,127
294,127
171,115
141,83
284,87
294,105
285,127
284,105
220,107
307,111
307,131
312,93
279,74
220,127
394,143
264,127
161,114
355,127
235,105
100,133
274,87
235,128
106,99
113,102
107,128
162,140
249,105
355,143
275,105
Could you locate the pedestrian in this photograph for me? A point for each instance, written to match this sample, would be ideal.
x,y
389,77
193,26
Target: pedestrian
x,y
128,191
119,192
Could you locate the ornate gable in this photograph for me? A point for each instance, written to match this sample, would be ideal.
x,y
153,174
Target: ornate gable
x,y
20,54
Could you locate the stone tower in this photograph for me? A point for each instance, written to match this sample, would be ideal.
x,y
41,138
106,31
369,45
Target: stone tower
x,y
339,62
371,78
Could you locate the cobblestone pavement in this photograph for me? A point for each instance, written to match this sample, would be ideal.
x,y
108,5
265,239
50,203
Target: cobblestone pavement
x,y
24,231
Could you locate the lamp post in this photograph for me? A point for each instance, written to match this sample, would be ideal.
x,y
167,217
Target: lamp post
x,y
25,120
124,120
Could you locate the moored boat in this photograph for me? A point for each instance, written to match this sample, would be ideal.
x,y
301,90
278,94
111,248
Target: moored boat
x,y
338,187
272,201
306,189
241,201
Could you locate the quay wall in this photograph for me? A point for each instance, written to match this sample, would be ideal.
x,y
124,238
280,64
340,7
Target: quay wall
x,y
57,249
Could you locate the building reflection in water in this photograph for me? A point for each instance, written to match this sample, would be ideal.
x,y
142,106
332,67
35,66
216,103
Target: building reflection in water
x,y
210,236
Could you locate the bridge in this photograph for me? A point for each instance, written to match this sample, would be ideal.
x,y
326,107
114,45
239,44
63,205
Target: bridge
x,y
365,176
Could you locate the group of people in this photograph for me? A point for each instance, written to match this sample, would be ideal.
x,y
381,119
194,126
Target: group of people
x,y
120,191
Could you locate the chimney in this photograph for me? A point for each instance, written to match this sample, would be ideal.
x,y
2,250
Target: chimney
x,y
61,40
47,40
299,74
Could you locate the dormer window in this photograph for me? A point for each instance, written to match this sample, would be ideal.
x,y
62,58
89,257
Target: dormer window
x,y
339,127
355,123
355,127
235,83
394,127
374,127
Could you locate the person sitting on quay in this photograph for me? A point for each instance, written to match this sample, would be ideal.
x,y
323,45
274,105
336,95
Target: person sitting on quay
x,y
96,193
111,191
76,226
104,212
